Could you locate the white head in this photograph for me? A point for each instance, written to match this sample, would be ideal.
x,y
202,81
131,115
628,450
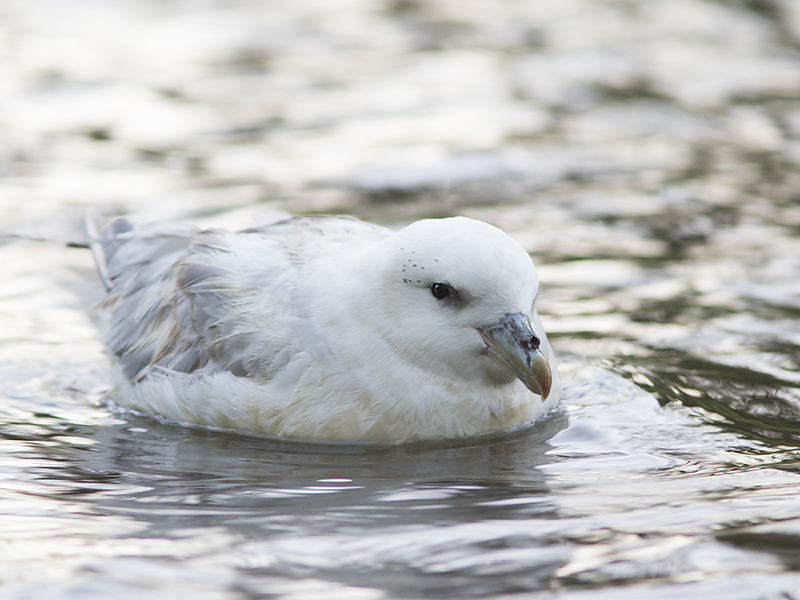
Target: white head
x,y
456,299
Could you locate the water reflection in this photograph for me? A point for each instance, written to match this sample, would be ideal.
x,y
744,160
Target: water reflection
x,y
150,490
614,479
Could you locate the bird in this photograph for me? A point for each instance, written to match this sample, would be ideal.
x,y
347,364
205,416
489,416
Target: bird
x,y
326,328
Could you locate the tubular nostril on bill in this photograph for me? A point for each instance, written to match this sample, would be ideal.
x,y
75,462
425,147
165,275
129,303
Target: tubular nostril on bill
x,y
531,344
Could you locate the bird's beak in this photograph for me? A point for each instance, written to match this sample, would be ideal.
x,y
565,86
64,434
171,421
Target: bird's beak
x,y
512,343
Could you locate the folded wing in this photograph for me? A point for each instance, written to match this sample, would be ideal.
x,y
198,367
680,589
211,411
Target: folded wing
x,y
199,301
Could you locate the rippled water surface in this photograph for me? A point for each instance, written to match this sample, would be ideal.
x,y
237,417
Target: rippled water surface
x,y
647,154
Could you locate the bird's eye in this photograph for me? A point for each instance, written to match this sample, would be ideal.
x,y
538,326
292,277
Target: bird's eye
x,y
440,291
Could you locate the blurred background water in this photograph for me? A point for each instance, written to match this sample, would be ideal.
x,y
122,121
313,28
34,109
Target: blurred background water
x,y
646,153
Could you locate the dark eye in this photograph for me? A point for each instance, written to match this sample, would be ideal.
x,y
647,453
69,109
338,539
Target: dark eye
x,y
440,291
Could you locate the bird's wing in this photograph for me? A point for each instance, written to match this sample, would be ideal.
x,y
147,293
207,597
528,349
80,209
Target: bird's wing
x,y
185,299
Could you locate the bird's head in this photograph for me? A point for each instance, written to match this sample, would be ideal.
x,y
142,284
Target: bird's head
x,y
459,296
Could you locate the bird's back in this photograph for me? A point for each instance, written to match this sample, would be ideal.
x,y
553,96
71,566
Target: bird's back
x,y
189,300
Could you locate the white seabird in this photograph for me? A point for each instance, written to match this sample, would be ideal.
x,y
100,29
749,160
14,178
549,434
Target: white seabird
x,y
328,328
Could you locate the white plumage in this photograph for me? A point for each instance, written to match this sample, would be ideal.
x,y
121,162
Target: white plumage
x,y
328,328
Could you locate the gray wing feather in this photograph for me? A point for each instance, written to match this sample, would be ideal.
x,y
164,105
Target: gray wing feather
x,y
136,265
185,299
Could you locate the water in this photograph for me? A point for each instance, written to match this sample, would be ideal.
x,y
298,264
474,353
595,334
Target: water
x,y
645,153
